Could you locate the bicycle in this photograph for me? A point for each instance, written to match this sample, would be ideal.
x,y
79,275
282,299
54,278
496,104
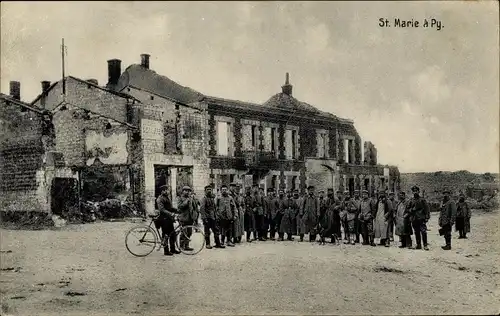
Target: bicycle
x,y
150,238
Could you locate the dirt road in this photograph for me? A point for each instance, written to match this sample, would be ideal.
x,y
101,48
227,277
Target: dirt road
x,y
86,270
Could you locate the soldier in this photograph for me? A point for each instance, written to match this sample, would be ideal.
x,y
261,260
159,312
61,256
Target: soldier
x,y
310,214
339,200
207,212
226,213
298,217
419,215
462,224
327,221
188,214
166,221
350,214
394,204
322,204
382,221
447,218
272,212
241,217
366,212
290,209
236,224
402,221
249,216
258,206
357,223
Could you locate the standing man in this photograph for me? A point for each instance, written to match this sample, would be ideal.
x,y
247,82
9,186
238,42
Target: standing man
x,y
339,200
290,209
420,215
322,205
351,212
207,212
236,224
357,223
310,214
447,217
241,217
366,212
298,218
250,216
462,224
166,221
272,212
278,217
188,215
402,221
394,204
226,212
382,220
258,205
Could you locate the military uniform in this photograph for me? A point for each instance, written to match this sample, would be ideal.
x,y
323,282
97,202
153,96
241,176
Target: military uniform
x,y
207,212
166,223
419,215
403,223
249,217
366,217
310,215
226,214
188,215
259,212
298,218
351,212
357,222
289,208
462,224
272,209
447,216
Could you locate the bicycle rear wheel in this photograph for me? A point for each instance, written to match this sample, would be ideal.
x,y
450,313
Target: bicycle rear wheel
x,y
141,241
190,240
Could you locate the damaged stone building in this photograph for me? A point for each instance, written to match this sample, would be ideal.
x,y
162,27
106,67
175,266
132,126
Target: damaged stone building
x,y
282,143
141,130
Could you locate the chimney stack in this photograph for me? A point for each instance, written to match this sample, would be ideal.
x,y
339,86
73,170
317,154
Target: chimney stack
x,y
287,87
15,90
114,72
45,86
93,81
145,60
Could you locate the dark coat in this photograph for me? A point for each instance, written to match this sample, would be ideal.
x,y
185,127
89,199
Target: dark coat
x,y
258,204
271,206
463,217
226,208
310,214
290,210
188,209
165,207
207,208
448,213
419,209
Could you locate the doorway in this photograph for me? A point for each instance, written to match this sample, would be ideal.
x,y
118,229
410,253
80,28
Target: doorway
x,y
64,195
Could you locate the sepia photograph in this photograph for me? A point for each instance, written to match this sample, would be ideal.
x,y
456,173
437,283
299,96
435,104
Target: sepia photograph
x,y
249,158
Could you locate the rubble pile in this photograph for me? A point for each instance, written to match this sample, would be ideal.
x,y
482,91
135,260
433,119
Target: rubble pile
x,y
26,220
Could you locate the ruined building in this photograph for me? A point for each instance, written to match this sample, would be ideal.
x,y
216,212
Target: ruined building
x,y
140,130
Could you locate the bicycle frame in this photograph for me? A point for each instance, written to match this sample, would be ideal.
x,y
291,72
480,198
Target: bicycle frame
x,y
177,228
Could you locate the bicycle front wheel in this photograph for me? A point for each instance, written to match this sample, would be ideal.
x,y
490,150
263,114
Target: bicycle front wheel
x,y
141,241
190,240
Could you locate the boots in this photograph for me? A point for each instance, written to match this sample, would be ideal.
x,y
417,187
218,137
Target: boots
x,y
289,237
248,237
281,237
448,243
301,237
166,252
372,241
312,238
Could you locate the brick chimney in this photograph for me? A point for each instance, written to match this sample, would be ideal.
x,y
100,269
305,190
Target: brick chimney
x,y
15,90
114,71
145,60
287,87
45,88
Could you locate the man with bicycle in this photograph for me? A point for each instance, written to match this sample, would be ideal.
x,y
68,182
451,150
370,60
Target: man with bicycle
x,y
188,215
166,221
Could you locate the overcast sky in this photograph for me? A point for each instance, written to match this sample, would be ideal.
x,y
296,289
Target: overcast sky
x,y
428,99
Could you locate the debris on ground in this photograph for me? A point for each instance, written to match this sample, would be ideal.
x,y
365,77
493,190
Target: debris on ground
x,y
72,293
18,269
386,269
5,251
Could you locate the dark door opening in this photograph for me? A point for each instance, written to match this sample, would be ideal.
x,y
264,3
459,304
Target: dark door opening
x,y
64,195
162,177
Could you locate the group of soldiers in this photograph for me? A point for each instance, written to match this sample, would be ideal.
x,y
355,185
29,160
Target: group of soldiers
x,y
231,215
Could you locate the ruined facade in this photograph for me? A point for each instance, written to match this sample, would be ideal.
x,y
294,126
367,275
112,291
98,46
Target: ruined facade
x,y
142,130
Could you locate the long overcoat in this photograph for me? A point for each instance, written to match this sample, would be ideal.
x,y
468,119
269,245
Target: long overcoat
x,y
402,219
382,220
310,214
290,209
463,214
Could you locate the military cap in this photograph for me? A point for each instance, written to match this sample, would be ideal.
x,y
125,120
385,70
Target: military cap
x,y
255,186
208,187
186,188
296,190
310,187
330,190
270,189
346,191
365,191
321,191
164,187
415,189
223,186
232,184
446,191
339,192
238,185
461,194
247,188
391,193
356,191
